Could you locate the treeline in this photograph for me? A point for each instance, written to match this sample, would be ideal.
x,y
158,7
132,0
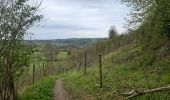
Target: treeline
x,y
68,43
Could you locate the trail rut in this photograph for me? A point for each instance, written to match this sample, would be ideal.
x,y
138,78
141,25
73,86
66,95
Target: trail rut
x,y
59,93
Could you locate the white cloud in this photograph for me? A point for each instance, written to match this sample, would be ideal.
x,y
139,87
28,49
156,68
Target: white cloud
x,y
79,18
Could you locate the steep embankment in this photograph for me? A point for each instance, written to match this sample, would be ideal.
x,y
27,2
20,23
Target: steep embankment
x,y
122,73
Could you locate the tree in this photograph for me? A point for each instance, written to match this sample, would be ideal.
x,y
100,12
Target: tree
x,y
49,51
112,32
16,17
151,19
153,12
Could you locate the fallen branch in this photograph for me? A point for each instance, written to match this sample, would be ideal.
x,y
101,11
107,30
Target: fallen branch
x,y
139,93
129,93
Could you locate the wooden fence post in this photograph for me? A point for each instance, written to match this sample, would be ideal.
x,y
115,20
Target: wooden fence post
x,y
85,62
33,75
44,69
100,70
79,66
39,70
53,68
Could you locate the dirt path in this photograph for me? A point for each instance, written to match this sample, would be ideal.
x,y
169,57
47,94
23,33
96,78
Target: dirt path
x,y
59,93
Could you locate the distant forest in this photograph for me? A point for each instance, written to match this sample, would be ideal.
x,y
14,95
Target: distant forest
x,y
73,42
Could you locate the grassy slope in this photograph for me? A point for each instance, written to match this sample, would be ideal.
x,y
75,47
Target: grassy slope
x,y
120,72
119,77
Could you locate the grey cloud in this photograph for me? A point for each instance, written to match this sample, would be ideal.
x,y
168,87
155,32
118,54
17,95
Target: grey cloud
x,y
69,27
77,18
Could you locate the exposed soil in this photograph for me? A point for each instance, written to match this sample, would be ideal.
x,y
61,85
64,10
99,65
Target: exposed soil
x,y
59,93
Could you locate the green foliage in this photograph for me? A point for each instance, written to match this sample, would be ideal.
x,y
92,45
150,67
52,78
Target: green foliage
x,y
166,26
16,17
148,59
120,76
128,59
155,96
62,55
151,19
21,59
41,90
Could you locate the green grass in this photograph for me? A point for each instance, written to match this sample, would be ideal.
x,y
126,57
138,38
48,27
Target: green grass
x,y
120,77
118,81
62,55
41,90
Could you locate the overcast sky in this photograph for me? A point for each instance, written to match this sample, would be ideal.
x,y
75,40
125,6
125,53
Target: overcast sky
x,y
79,18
